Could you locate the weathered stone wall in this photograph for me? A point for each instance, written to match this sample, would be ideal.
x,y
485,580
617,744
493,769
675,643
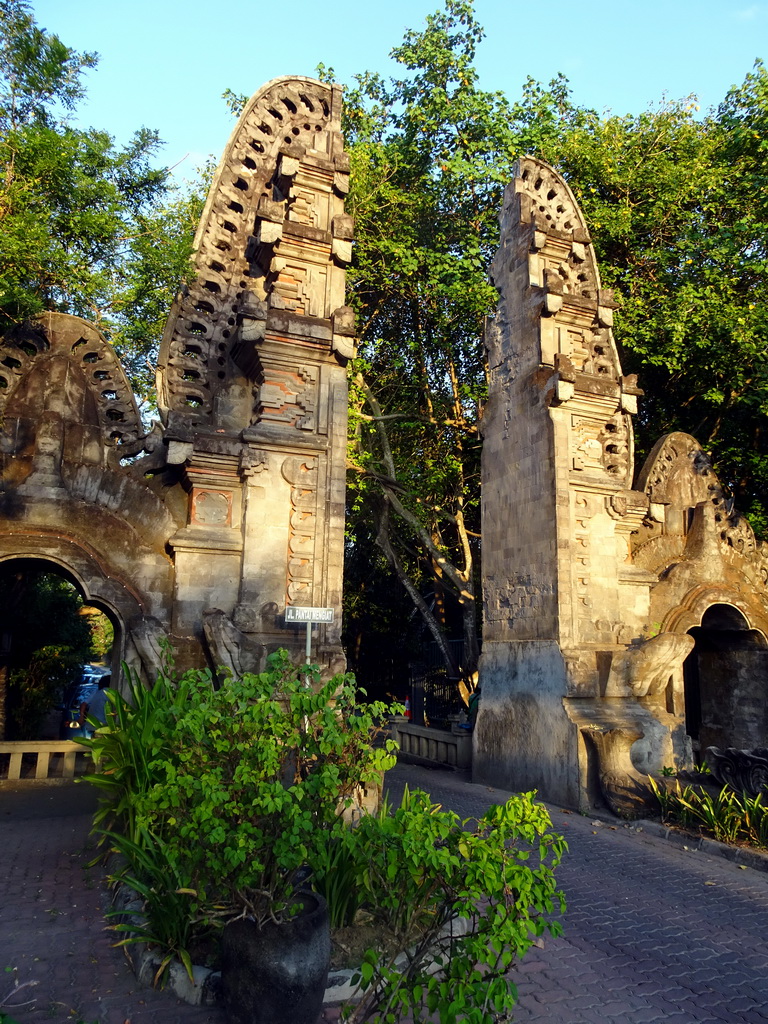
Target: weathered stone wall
x,y
519,478
557,505
523,739
252,376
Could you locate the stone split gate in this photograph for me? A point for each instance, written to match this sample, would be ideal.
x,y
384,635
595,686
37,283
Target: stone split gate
x,y
625,620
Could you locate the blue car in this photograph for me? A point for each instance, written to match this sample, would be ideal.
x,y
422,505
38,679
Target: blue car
x,y
81,691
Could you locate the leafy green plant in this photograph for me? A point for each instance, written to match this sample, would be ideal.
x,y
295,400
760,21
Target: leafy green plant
x,y
668,772
218,800
755,820
256,777
727,816
336,875
34,688
171,915
125,753
463,899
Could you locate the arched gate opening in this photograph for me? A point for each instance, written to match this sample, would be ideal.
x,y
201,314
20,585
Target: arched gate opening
x,y
51,632
726,683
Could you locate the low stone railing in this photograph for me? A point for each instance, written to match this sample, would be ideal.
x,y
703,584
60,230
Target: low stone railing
x,y
439,746
65,764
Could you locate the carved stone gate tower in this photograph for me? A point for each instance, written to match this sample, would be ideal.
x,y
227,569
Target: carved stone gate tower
x,y
232,508
595,586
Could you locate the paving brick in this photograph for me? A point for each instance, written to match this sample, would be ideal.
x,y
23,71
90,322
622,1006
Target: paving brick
x,y
645,940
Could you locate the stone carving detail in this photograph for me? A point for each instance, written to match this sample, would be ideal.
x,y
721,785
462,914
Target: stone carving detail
x,y
152,643
56,336
253,462
624,788
287,397
230,648
679,474
644,669
551,204
301,474
271,236
211,508
742,770
588,451
615,439
562,264
601,446
516,598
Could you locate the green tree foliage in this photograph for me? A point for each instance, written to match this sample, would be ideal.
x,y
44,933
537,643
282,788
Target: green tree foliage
x,y
431,153
676,203
33,690
426,176
84,224
155,264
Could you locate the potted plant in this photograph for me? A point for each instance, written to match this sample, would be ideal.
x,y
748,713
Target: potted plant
x,y
239,787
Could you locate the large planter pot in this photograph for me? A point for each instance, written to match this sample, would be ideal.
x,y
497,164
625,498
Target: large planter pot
x,y
277,973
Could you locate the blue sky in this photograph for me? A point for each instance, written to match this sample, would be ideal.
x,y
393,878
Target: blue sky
x,y
165,63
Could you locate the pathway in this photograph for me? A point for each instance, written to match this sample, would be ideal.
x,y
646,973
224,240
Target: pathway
x,y
652,933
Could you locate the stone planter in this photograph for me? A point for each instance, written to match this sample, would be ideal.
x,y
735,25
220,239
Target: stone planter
x,y
278,972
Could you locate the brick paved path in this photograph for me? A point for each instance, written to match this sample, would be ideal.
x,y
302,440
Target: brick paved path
x,y
652,933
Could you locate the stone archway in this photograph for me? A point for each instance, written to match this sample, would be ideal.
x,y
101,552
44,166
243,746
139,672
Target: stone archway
x,y
202,530
725,678
99,585
31,630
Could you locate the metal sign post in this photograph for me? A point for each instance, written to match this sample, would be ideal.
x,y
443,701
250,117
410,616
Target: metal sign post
x,y
308,615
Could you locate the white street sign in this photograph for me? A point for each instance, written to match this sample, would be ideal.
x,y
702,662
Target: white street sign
x,y
296,614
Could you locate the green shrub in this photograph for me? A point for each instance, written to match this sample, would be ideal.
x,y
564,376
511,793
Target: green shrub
x,y
127,753
728,816
337,874
220,799
221,802
34,689
468,895
172,918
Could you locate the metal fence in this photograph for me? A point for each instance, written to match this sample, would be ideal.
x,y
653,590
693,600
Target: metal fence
x,y
435,698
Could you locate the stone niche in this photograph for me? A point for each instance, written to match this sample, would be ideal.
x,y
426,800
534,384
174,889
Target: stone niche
x,y
201,530
623,616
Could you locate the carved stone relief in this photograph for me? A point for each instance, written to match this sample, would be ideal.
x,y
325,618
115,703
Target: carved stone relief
x,y
253,462
266,243
288,397
230,649
211,508
152,644
645,669
301,474
31,351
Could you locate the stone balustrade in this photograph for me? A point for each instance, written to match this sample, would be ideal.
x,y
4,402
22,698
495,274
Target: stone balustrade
x,y
439,746
54,760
